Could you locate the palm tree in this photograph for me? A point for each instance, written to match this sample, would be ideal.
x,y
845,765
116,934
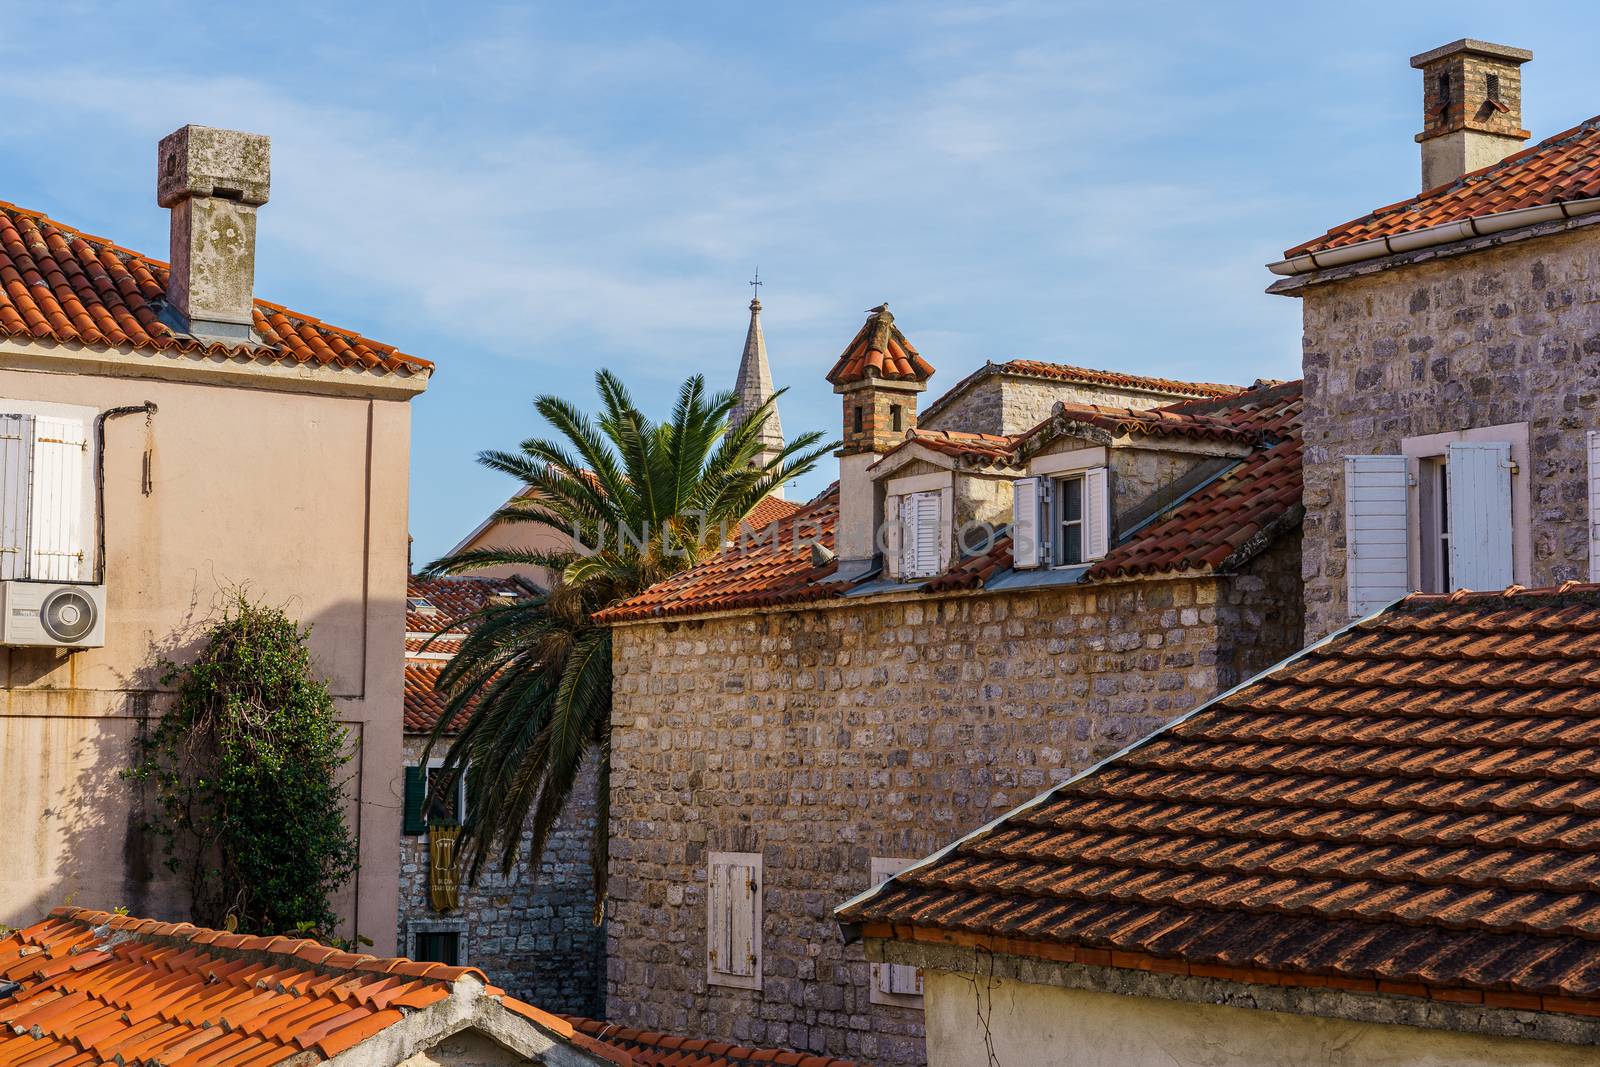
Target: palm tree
x,y
531,685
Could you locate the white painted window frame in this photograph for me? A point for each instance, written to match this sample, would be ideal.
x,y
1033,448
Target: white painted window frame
x,y
83,507
461,788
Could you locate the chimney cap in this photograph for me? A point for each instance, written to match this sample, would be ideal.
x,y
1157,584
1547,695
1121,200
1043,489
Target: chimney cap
x,y
1468,44
194,161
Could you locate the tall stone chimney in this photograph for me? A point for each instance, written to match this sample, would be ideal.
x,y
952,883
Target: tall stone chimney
x,y
1471,107
879,376
213,181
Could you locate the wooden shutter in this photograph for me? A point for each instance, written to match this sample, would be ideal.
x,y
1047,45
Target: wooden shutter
x,y
906,537
416,799
1376,532
1096,514
1594,505
58,548
16,493
892,980
733,927
1025,523
919,552
894,521
1479,479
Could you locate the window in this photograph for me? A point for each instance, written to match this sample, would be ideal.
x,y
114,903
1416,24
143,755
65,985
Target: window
x,y
1444,91
442,946
920,535
1061,521
1433,493
1449,513
423,808
421,605
858,419
46,493
733,919
1069,520
893,983
895,417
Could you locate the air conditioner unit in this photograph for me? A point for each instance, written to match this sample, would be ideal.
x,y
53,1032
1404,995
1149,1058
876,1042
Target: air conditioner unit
x,y
52,615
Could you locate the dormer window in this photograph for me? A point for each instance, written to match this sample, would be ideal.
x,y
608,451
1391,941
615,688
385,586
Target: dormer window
x,y
1061,519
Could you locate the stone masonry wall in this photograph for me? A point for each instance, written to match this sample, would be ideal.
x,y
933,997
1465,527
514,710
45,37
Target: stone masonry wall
x,y
1004,403
1507,335
531,931
820,738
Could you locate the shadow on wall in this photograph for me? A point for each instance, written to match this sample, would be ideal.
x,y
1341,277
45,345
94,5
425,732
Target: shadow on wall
x,y
79,827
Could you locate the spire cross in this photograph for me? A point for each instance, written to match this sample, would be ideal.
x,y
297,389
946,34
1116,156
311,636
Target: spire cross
x,y
756,284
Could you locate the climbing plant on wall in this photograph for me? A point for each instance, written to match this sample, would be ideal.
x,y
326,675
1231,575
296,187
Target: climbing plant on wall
x,y
246,772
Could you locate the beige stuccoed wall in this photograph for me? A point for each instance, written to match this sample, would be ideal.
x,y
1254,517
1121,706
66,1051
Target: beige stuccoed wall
x,y
1025,1025
297,496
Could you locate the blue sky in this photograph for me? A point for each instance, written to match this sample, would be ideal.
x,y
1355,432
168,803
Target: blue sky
x,y
525,193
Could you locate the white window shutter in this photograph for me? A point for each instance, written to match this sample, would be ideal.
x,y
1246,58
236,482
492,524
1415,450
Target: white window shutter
x,y
733,927
59,545
895,532
1047,521
1594,505
1479,479
1376,532
1025,523
16,494
1096,514
928,537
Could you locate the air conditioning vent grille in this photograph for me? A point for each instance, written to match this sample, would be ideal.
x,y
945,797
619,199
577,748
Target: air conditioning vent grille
x,y
67,615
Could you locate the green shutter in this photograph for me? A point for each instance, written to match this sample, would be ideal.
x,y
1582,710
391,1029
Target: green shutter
x,y
416,819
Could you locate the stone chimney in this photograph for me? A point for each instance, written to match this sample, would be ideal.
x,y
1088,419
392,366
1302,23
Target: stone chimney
x,y
213,181
1471,107
879,376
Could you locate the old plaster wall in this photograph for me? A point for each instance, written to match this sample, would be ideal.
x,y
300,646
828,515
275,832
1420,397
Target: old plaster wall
x,y
976,1020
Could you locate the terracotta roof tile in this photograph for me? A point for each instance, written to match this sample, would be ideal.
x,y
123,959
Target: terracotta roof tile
x,y
1038,368
1414,804
123,990
983,448
1168,422
63,285
649,1048
1215,528
880,350
435,609
1560,168
771,509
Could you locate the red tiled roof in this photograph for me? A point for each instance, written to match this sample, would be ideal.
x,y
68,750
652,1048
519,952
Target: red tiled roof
x,y
454,598
1214,529
94,988
1038,368
1226,521
1561,168
59,284
651,1049
880,350
755,572
1170,421
771,509
982,447
1412,806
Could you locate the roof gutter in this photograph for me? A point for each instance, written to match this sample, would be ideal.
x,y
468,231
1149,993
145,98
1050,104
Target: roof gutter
x,y
1446,233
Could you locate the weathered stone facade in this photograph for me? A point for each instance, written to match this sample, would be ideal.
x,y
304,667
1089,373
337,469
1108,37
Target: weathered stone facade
x,y
1011,403
1509,334
820,738
532,931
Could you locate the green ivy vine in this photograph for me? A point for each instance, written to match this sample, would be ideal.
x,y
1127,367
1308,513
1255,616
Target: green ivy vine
x,y
246,771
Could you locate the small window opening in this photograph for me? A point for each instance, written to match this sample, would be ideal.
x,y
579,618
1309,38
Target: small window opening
x,y
1444,90
1434,498
1494,87
421,606
1069,511
441,946
858,419
894,417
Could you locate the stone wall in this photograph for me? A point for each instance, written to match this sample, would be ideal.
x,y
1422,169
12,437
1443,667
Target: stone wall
x,y
1507,335
532,931
1011,403
824,737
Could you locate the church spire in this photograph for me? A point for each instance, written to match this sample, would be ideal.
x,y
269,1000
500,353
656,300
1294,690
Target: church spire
x,y
754,385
